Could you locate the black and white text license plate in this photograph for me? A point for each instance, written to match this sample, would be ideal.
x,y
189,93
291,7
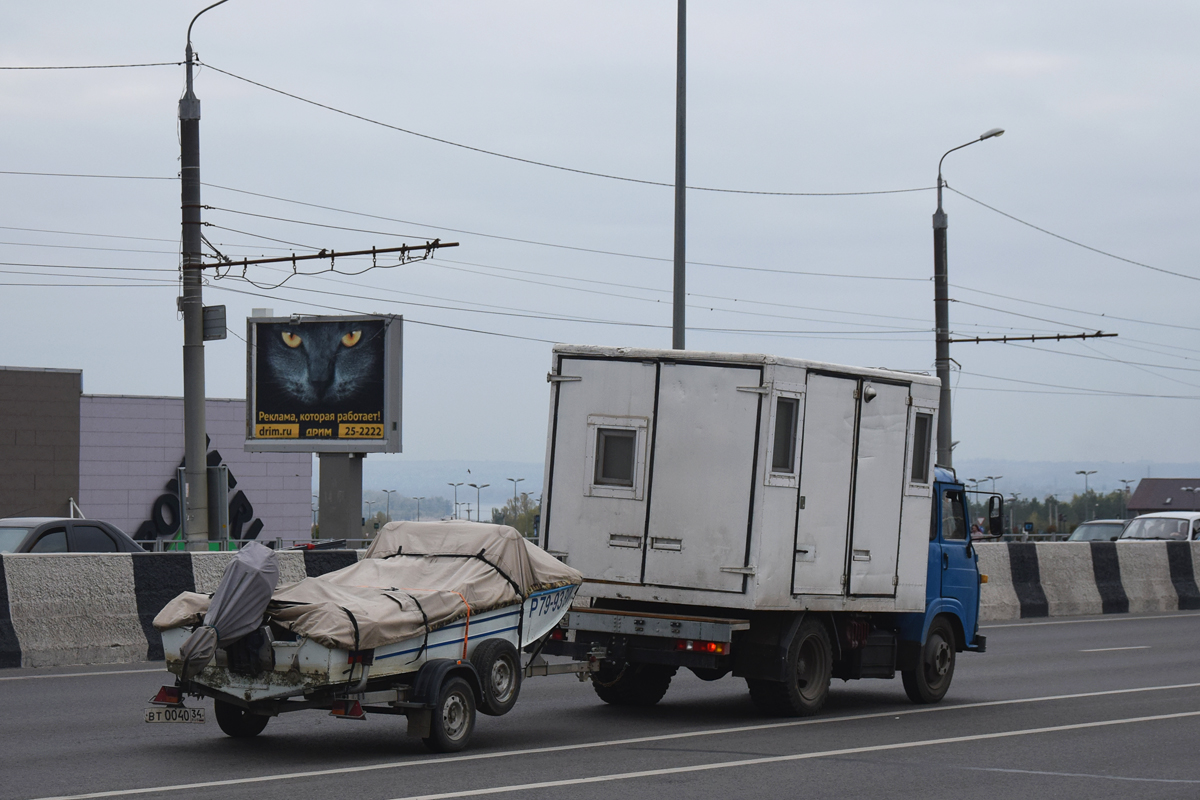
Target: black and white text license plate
x,y
170,714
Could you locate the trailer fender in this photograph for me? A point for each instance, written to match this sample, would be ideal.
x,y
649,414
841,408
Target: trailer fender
x,y
427,687
434,673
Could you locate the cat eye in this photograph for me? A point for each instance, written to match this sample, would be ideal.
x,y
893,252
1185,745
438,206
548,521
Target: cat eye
x,y
351,338
291,339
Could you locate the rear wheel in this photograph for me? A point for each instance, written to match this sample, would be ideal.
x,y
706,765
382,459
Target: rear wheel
x,y
930,680
805,688
453,718
238,722
709,673
632,684
499,668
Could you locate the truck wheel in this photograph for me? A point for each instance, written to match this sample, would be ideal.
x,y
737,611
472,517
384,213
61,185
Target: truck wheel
x,y
809,668
499,668
238,722
931,678
453,718
632,684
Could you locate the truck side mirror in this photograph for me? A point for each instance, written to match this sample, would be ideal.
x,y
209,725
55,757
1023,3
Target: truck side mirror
x,y
996,515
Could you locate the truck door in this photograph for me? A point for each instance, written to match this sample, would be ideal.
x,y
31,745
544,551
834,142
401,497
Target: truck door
x,y
878,488
702,476
959,574
826,475
600,434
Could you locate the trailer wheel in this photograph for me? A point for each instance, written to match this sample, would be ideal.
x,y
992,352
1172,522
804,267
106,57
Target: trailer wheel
x,y
499,668
632,684
453,718
928,682
809,668
238,722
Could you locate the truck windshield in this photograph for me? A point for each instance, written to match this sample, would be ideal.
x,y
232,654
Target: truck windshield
x,y
954,520
11,538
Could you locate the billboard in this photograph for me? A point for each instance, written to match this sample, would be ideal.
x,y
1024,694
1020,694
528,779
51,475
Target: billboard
x,y
323,384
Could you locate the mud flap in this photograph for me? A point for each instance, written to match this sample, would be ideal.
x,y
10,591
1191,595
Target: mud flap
x,y
419,722
428,685
908,656
763,654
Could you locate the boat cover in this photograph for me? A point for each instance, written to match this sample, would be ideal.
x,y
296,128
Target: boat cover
x,y
237,606
416,577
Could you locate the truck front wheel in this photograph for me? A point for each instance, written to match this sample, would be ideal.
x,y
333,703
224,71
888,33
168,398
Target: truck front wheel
x,y
632,684
928,682
805,688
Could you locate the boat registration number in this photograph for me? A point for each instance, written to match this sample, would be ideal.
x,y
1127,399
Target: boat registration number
x,y
169,714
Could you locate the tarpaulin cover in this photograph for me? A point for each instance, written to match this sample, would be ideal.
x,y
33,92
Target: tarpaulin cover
x,y
237,607
417,576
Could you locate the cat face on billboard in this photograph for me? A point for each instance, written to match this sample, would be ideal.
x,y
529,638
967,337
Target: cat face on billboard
x,y
324,363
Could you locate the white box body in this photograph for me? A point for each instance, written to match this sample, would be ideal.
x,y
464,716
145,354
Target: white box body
x,y
739,481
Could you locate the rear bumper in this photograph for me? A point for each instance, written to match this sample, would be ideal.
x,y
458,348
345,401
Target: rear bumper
x,y
634,649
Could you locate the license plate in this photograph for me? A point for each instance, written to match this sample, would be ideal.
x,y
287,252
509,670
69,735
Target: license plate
x,y
169,714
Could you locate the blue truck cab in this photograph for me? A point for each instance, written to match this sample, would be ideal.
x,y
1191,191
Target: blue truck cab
x,y
950,624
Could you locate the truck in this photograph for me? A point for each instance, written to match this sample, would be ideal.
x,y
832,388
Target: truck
x,y
774,519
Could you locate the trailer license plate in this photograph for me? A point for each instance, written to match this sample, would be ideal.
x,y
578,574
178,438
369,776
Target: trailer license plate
x,y
174,715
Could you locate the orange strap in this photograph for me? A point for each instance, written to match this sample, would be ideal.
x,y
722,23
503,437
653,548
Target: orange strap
x,y
466,625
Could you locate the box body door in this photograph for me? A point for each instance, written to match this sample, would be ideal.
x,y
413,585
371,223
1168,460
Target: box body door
x,y
826,482
878,488
702,475
600,527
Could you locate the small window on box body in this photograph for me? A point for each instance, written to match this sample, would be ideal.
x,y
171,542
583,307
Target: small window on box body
x,y
616,456
922,430
783,451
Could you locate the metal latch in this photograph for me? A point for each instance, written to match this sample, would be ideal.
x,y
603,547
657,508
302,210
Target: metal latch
x,y
738,570
755,389
552,378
